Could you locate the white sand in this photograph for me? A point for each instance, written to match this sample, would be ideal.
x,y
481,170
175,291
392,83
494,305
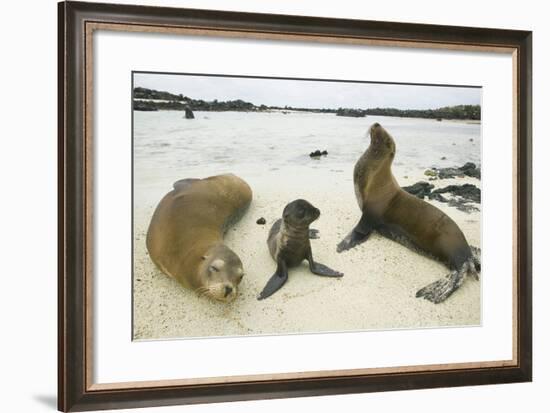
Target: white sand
x,y
376,292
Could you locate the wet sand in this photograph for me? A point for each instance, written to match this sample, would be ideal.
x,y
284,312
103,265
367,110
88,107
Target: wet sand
x,y
376,292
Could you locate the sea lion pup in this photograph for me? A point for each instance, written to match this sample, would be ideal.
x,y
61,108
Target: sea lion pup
x,y
289,244
407,219
185,236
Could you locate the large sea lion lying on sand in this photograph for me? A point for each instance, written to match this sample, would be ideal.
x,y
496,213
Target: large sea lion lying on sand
x,y
185,236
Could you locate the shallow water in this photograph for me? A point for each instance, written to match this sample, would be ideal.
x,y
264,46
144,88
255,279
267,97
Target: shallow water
x,y
168,147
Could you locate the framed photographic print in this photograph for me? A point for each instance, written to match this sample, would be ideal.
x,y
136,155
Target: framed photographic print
x,y
263,206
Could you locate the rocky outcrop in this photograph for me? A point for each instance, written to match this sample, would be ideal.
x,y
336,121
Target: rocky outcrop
x,y
420,189
353,113
469,192
189,114
462,195
318,154
144,107
468,169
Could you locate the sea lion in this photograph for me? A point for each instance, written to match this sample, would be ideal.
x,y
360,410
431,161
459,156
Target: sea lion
x,y
407,219
185,236
289,245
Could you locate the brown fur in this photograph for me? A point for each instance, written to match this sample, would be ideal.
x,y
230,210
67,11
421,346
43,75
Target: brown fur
x,y
402,217
185,236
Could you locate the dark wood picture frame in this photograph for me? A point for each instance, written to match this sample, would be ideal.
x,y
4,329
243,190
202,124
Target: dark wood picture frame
x,y
76,24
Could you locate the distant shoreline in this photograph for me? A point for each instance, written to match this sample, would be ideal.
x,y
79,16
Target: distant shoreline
x,y
149,100
465,121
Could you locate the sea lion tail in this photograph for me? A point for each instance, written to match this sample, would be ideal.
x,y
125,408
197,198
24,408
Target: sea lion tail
x,y
440,290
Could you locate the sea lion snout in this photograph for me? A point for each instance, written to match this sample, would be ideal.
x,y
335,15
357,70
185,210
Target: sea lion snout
x,y
222,272
381,142
317,213
376,131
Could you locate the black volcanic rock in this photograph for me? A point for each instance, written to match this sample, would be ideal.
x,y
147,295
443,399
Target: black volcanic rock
x,y
463,195
468,169
189,114
467,191
420,189
317,153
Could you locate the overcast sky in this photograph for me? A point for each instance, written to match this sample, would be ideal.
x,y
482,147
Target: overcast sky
x,y
310,94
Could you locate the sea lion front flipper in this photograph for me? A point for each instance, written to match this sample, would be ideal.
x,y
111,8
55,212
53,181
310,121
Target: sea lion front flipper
x,y
321,269
313,233
358,235
276,281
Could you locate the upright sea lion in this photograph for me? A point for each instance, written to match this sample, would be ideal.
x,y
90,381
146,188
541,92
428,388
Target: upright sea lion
x,y
407,219
185,236
289,245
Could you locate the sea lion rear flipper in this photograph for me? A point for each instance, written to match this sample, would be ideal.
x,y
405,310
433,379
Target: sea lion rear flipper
x,y
321,269
476,254
358,235
182,183
441,289
276,281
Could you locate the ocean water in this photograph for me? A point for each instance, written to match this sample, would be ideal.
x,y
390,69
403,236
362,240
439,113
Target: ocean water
x,y
253,145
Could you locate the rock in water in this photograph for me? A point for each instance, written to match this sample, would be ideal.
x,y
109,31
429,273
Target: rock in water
x,y
189,114
318,154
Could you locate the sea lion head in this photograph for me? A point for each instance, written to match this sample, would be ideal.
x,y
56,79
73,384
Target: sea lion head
x,y
382,145
220,273
300,213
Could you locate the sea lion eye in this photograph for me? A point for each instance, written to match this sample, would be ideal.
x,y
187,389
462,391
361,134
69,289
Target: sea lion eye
x,y
213,269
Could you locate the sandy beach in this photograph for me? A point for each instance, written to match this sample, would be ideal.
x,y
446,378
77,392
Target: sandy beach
x,y
376,292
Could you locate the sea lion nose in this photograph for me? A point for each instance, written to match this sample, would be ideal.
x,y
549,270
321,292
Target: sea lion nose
x,y
228,290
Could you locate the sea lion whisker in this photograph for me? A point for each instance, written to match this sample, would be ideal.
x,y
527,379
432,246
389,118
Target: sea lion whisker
x,y
200,291
208,292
